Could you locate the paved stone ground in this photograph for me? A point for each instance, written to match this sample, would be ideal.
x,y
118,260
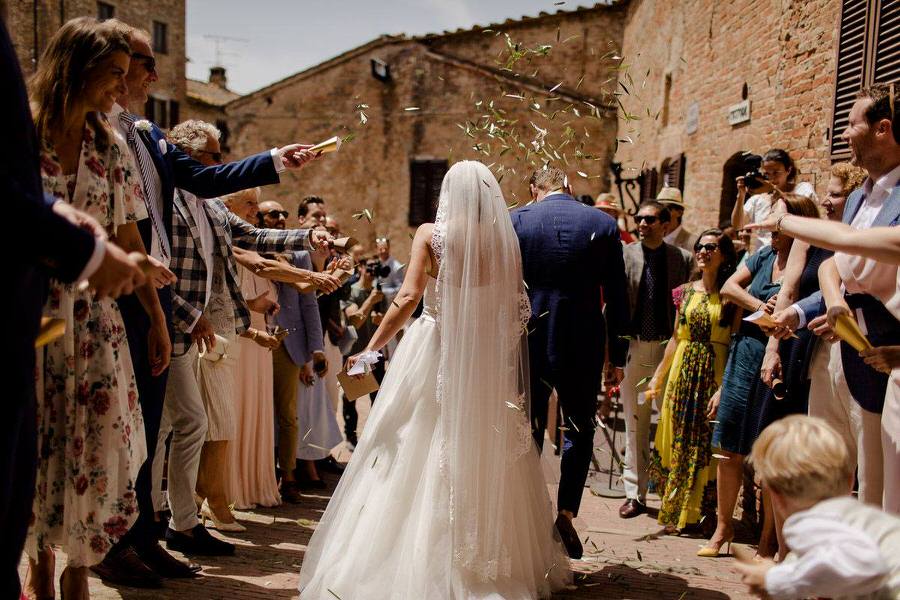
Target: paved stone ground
x,y
623,559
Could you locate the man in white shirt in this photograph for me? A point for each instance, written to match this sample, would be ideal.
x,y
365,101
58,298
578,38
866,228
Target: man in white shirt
x,y
677,235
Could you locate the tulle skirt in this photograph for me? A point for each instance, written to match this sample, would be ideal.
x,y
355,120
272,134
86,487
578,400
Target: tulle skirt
x,y
386,531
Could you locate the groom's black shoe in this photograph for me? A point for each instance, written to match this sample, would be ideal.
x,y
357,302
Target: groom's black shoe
x,y
569,537
201,543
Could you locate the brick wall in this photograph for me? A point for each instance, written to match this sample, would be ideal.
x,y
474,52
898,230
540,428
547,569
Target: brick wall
x,y
782,50
141,13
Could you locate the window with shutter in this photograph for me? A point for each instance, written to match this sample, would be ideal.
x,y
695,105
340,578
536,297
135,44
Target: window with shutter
x,y
173,113
886,65
851,68
425,177
672,170
649,184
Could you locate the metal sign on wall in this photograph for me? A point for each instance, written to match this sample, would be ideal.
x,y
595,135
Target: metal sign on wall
x,y
739,113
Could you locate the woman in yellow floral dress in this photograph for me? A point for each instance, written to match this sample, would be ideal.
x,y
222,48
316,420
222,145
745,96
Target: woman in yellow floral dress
x,y
90,431
681,464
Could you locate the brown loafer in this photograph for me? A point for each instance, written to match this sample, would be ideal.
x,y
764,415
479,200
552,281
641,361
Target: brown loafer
x,y
126,568
631,509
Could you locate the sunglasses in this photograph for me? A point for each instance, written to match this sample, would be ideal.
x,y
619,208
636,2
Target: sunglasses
x,y
710,247
649,219
149,61
217,156
274,214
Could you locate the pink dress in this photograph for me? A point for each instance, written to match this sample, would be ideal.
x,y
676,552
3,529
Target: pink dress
x,y
252,465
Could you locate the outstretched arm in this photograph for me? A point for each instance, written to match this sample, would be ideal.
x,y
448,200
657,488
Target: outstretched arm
x,y
878,243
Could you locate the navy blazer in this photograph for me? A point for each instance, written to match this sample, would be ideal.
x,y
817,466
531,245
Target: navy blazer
x,y
41,244
572,263
299,313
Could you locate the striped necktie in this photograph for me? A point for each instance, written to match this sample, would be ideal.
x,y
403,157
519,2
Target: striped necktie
x,y
151,192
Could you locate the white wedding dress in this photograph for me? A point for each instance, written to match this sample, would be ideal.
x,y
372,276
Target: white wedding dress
x,y
392,530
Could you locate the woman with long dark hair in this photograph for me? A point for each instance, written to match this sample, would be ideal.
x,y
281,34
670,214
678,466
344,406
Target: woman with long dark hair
x,y
681,463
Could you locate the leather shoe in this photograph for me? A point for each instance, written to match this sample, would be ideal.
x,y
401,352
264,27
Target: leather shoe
x,y
331,465
631,509
126,568
165,564
201,543
290,492
569,537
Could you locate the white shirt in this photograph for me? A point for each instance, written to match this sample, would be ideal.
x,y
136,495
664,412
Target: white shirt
x,y
759,206
829,557
670,237
207,240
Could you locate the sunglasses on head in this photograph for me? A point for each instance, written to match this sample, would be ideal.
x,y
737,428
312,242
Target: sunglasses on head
x,y
149,61
649,219
710,247
274,214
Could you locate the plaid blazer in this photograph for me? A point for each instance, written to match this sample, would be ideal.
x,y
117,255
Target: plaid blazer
x,y
189,292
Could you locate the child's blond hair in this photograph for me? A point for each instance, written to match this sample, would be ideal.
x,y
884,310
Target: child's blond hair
x,y
802,458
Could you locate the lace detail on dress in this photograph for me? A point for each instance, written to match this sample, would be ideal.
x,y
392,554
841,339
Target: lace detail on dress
x,y
524,308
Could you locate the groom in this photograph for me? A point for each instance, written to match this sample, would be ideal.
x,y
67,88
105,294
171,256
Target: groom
x,y
572,263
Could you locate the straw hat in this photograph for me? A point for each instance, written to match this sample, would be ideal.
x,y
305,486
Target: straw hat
x,y
670,196
608,202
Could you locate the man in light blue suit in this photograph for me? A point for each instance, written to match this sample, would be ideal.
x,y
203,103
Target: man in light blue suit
x,y
572,264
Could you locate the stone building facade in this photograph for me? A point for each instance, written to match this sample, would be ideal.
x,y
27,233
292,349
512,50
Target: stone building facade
x,y
206,101
33,22
428,111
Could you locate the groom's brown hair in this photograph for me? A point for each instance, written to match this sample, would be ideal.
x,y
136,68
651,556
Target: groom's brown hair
x,y
548,178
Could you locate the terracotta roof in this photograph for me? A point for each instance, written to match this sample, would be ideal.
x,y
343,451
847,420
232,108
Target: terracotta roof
x,y
209,93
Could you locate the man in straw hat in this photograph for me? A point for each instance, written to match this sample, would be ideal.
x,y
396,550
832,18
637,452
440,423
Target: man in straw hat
x,y
608,204
678,235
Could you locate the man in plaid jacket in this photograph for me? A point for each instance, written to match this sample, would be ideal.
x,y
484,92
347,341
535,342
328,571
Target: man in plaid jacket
x,y
203,234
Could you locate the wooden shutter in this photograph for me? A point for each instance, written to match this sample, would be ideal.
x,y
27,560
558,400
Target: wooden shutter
x,y
425,178
886,63
673,172
649,184
850,71
173,113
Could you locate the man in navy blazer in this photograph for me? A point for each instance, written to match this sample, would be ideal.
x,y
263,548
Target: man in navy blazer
x,y
48,243
138,559
572,264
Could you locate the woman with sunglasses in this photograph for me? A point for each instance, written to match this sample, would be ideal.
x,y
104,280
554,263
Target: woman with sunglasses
x,y
743,400
688,376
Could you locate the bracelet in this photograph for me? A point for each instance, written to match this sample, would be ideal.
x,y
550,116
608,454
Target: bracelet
x,y
254,333
778,222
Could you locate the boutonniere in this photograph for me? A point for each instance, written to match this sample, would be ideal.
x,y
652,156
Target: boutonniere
x,y
144,125
163,146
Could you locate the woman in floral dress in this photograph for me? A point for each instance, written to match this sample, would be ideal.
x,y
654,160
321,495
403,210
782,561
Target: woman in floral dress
x,y
90,432
681,463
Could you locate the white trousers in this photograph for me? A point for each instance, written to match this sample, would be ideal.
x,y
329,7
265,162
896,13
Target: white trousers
x,y
184,413
643,358
830,399
890,444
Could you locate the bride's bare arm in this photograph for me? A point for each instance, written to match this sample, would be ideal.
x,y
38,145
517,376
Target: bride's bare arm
x,y
410,292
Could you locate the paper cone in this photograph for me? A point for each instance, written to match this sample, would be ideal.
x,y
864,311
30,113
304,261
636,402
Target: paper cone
x,y
330,145
343,244
51,329
848,330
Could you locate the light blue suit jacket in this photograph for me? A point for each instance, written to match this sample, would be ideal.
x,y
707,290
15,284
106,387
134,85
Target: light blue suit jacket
x,y
300,315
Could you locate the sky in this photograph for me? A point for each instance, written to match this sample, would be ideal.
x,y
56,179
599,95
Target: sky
x,y
271,39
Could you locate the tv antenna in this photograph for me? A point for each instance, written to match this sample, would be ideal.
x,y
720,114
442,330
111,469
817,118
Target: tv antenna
x,y
220,41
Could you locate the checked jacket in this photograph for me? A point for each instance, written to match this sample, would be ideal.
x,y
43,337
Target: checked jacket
x,y
189,292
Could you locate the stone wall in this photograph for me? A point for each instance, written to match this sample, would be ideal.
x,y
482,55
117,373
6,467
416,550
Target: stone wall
x,y
782,51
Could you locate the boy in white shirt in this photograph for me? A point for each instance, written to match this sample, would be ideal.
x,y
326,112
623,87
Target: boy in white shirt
x,y
840,548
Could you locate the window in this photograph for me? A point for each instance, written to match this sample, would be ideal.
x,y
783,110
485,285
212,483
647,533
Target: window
x,y
672,171
868,52
425,177
649,181
105,11
164,113
160,37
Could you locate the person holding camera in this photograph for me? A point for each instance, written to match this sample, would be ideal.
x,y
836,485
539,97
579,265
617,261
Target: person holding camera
x,y
364,309
768,178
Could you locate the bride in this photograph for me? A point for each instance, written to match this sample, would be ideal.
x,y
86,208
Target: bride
x,y
444,496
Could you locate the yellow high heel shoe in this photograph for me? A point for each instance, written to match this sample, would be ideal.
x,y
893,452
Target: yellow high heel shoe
x,y
715,551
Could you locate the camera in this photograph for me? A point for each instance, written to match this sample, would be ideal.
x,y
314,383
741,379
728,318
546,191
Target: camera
x,y
753,178
376,269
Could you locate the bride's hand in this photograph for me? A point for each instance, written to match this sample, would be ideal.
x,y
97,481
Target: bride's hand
x,y
352,360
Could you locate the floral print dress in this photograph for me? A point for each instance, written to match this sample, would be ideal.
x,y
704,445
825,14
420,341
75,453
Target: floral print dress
x,y
90,430
681,464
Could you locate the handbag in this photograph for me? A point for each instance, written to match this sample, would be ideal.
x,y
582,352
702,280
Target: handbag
x,y
217,353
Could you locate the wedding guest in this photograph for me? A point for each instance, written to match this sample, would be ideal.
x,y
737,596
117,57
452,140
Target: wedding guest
x,y
207,303
780,175
161,167
653,268
311,212
840,547
607,203
299,354
677,234
681,463
744,401
69,253
251,464
364,310
84,500
391,283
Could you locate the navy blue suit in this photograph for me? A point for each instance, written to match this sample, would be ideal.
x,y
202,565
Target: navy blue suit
x,y
42,244
572,263
175,169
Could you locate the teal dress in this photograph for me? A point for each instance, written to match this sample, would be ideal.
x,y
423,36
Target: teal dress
x,y
734,432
